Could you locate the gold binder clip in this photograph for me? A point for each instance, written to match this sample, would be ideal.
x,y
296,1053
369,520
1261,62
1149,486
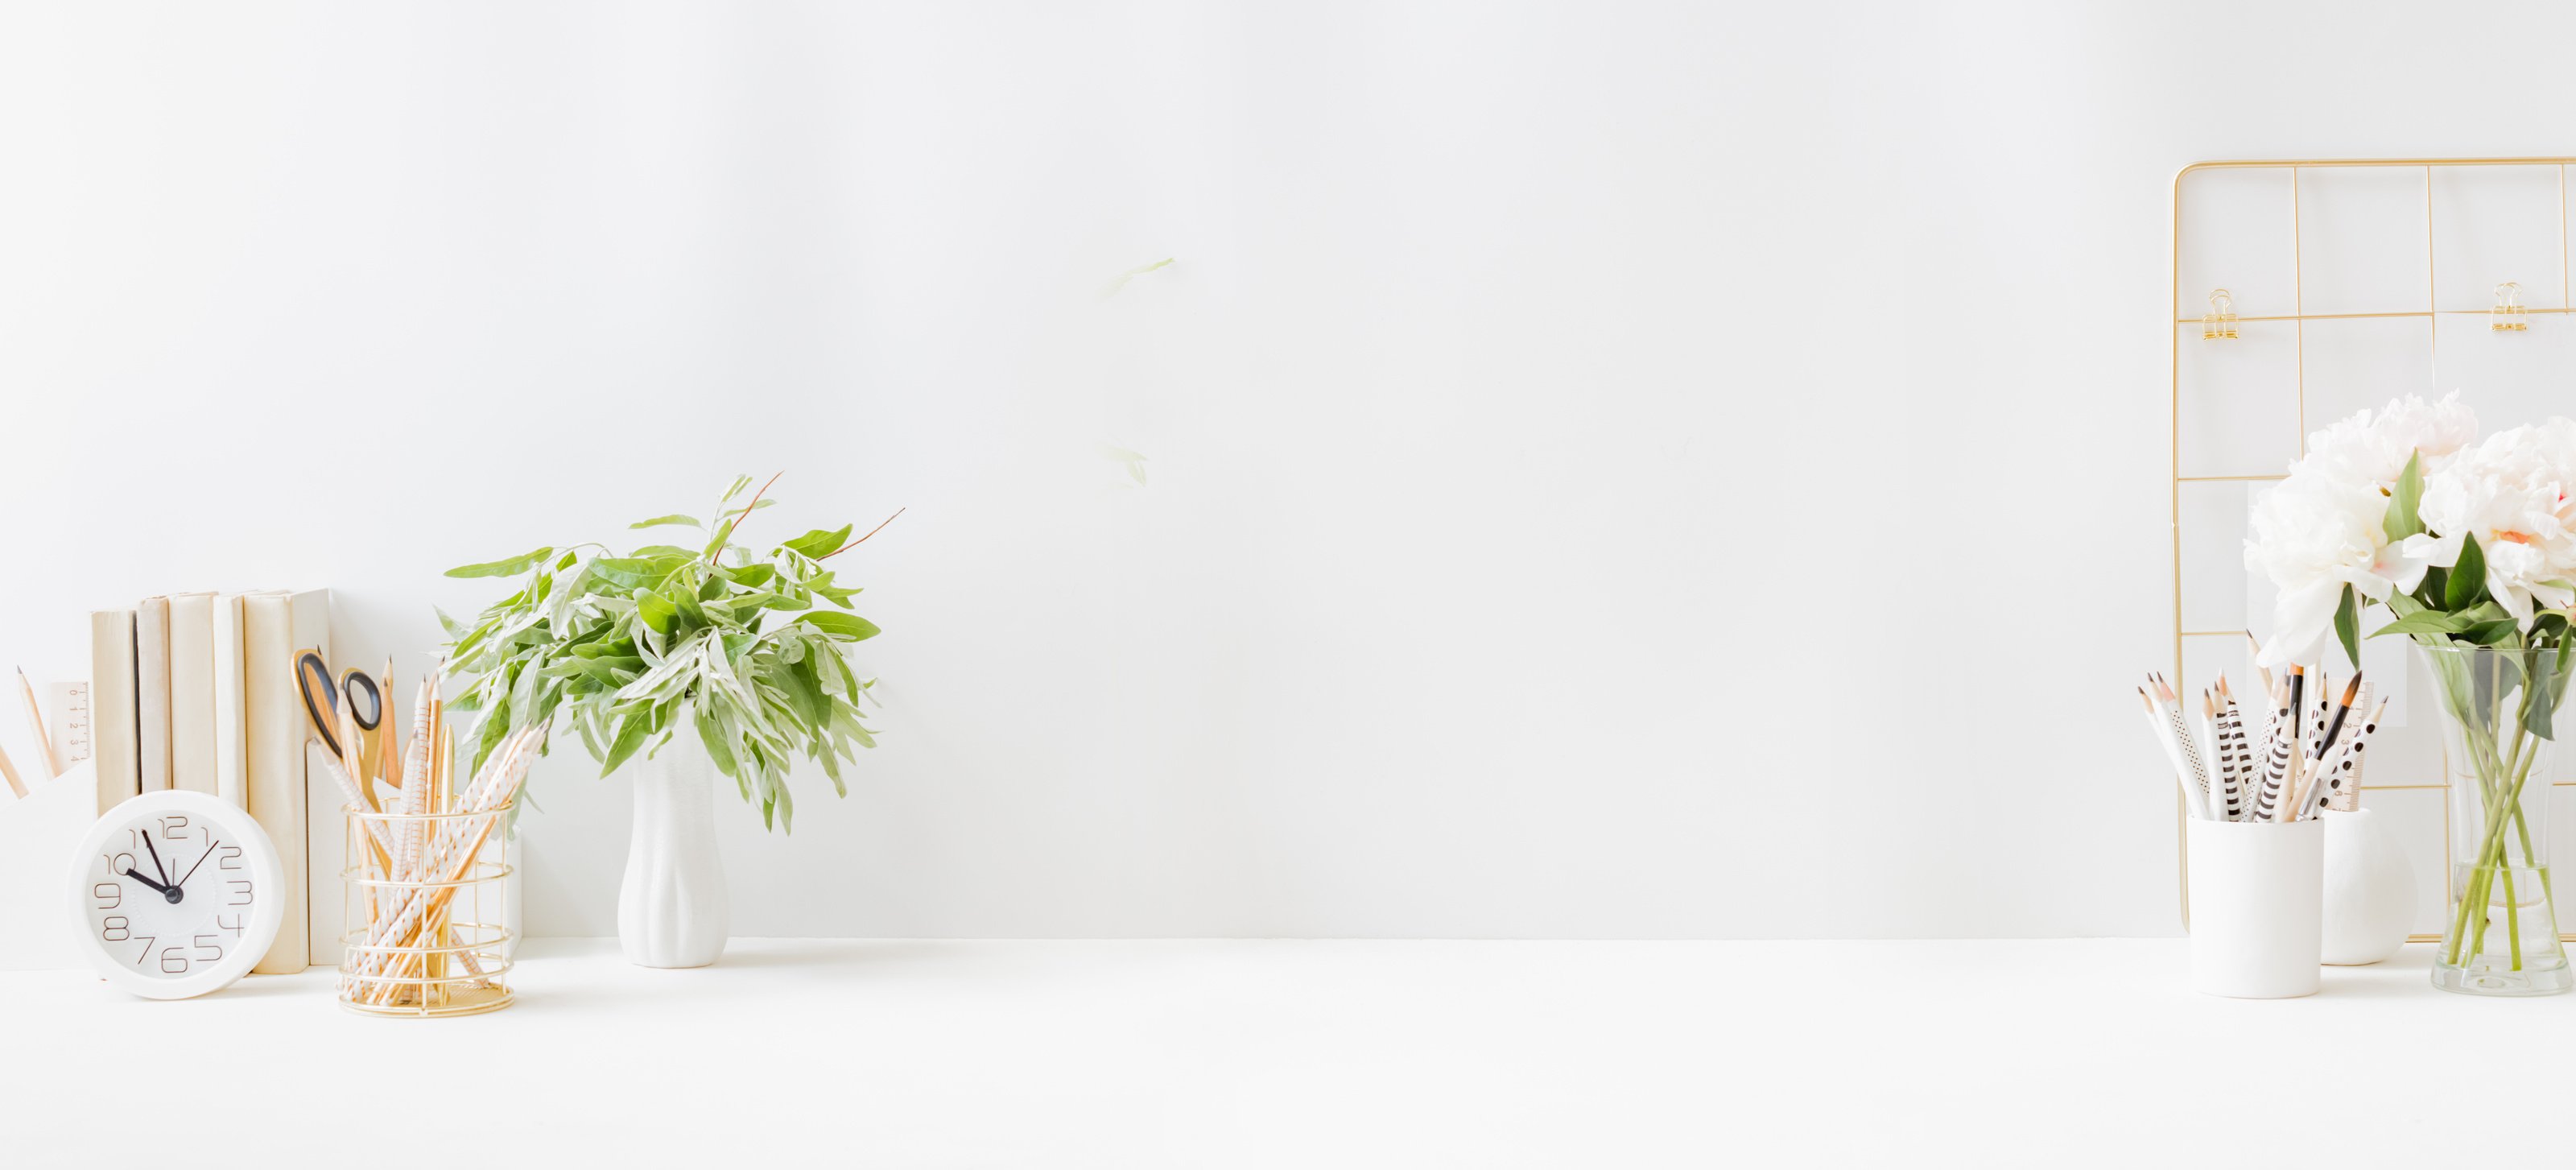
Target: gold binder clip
x,y
2220,321
2508,315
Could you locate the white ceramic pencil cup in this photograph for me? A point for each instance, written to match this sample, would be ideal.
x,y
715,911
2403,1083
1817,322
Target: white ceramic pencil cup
x,y
2257,907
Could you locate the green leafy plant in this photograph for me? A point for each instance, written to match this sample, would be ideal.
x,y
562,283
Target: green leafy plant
x,y
736,649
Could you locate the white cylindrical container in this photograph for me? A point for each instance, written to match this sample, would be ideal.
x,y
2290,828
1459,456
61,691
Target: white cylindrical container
x,y
2257,893
2369,890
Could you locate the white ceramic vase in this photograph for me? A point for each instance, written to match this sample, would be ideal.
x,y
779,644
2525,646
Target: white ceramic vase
x,y
671,909
2369,890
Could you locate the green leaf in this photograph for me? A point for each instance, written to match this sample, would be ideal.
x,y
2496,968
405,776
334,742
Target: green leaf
x,y
820,541
502,568
630,736
2400,521
807,689
2347,624
2429,591
749,576
2468,576
2543,719
634,572
2401,605
711,732
848,626
735,488
2494,633
656,611
2428,621
689,607
673,518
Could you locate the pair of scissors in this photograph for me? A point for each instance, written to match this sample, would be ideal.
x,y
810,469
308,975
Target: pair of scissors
x,y
322,699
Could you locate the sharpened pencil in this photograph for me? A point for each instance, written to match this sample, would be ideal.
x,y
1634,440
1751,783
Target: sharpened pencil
x,y
36,724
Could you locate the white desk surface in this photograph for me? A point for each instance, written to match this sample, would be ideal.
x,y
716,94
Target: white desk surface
x,y
1221,1054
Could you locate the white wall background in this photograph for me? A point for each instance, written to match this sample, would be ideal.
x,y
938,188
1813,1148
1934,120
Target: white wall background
x,y
1684,470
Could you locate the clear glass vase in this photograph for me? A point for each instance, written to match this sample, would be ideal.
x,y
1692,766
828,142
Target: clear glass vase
x,y
2499,718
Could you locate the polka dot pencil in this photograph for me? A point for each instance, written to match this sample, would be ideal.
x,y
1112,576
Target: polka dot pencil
x,y
2339,774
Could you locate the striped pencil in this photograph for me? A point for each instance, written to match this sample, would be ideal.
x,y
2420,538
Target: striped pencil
x,y
2239,744
2215,719
2277,740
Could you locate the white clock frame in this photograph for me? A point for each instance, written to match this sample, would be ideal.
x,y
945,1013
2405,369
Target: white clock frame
x,y
266,912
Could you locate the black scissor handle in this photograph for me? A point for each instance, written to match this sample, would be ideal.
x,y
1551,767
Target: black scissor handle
x,y
313,681
366,703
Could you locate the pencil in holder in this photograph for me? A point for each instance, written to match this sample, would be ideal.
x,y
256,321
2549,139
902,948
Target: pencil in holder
x,y
2257,907
431,890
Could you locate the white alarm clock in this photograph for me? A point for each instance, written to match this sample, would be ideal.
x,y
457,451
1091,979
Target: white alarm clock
x,y
176,894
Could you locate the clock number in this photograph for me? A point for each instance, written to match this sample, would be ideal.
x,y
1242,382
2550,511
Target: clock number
x,y
148,940
119,864
170,955
243,890
234,926
205,943
108,895
227,856
174,827
113,928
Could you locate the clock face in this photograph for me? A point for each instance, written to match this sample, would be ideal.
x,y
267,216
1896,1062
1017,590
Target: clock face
x,y
177,894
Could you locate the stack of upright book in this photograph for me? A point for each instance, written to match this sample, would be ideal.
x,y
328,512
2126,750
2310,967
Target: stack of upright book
x,y
196,692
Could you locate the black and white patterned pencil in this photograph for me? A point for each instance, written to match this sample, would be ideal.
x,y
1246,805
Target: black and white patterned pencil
x,y
2172,708
2240,744
2347,796
2278,737
2224,761
2338,783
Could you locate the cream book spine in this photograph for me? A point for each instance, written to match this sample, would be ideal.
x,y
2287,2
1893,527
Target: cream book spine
x,y
328,834
273,742
112,733
152,690
231,776
192,692
325,829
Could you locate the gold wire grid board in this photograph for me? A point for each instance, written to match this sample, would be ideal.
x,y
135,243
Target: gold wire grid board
x,y
2305,290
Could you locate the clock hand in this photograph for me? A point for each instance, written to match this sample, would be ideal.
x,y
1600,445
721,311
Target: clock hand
x,y
168,893
157,867
211,845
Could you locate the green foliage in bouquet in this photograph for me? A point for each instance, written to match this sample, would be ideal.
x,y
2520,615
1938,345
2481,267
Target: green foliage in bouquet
x,y
734,648
2452,606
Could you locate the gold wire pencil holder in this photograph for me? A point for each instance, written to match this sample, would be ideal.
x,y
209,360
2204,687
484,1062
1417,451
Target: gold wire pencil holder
x,y
434,945
2316,335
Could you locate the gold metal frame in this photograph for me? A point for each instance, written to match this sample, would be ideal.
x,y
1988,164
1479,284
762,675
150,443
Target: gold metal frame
x,y
2430,312
456,959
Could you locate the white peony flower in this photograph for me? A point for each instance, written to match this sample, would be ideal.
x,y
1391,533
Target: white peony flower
x,y
2314,534
2510,494
2374,447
